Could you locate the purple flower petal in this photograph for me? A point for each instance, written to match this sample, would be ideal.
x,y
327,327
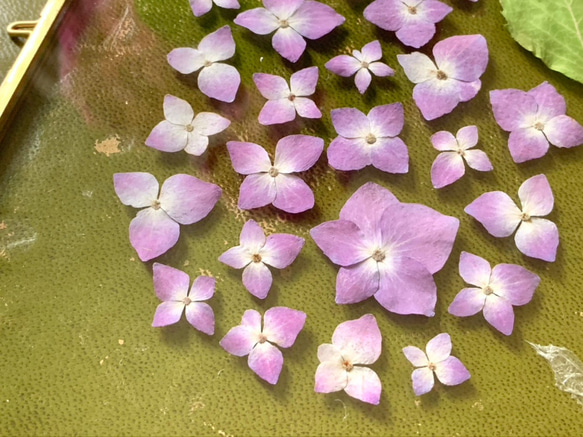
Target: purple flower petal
x,y
167,313
343,65
270,86
364,384
277,112
434,11
498,312
536,196
550,103
387,120
266,361
219,81
478,160
257,190
170,283
538,238
288,43
526,144
447,168
201,316
451,371
417,66
372,51
350,122
240,340
248,158
438,348
252,237
496,212
293,194
330,377
282,9
303,82
348,154
466,56
208,123
186,60
297,153
434,99
468,302
282,325
357,282
258,20
563,131
136,189
467,137
416,34
381,70
219,45
415,356
257,279
444,141
152,233
200,7
167,137
386,14
512,108
514,283
281,250
313,19
306,108
359,340
203,288
423,381
341,241
362,80
474,269
390,155
177,111
236,257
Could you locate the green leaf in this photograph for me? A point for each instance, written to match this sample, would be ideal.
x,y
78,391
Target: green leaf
x,y
551,29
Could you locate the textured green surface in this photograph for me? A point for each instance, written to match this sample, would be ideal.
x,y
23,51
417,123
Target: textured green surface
x,y
78,354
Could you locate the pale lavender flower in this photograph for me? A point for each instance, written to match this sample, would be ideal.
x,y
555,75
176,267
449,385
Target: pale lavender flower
x,y
362,63
281,327
201,7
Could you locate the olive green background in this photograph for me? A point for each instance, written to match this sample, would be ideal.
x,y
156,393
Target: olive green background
x,y
78,354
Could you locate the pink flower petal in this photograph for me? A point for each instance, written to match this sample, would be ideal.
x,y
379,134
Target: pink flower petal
x,y
170,283
512,108
177,111
228,4
208,123
329,352
330,377
252,320
257,279
282,9
303,82
152,233
451,371
350,122
240,340
357,282
469,90
196,144
187,199
436,99
186,60
434,11
390,155
282,325
497,213
271,87
514,283
313,19
343,65
167,137
288,43
380,69
277,112
219,81
423,381
417,66
266,361
362,80
474,269
444,141
386,120
200,7
478,160
550,102
219,45
136,189
297,153
498,312
201,316
306,108
416,34
252,237
372,51
538,238
203,288
386,14
257,190
293,194
364,384
258,20
468,302
447,168
341,241
526,144
415,356
281,250
236,257
438,348
406,287
563,131
359,340
167,313
467,137
536,196
248,158
466,56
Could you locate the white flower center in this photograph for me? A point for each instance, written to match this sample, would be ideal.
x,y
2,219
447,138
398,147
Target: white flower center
x,y
207,63
487,290
364,64
256,258
273,172
189,128
440,75
539,126
412,10
461,152
156,205
291,97
262,338
371,139
187,301
432,367
283,24
525,217
379,255
347,365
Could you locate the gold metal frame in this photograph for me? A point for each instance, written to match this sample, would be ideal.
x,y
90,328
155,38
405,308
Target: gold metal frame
x,y
38,34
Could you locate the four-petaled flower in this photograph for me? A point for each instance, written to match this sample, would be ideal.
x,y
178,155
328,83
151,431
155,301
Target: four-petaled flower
x,y
536,237
183,130
354,343
281,327
275,184
363,63
387,249
369,139
284,101
534,119
495,291
201,7
413,20
449,370
449,166
171,287
216,80
183,200
256,252
293,20
453,78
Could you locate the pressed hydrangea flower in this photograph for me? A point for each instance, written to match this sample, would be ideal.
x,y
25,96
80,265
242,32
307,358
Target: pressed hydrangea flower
x,y
256,252
536,237
216,80
355,344
183,200
201,7
369,139
281,327
413,20
283,100
293,20
449,166
362,63
171,286
534,119
436,359
276,184
495,291
183,130
453,78
387,249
